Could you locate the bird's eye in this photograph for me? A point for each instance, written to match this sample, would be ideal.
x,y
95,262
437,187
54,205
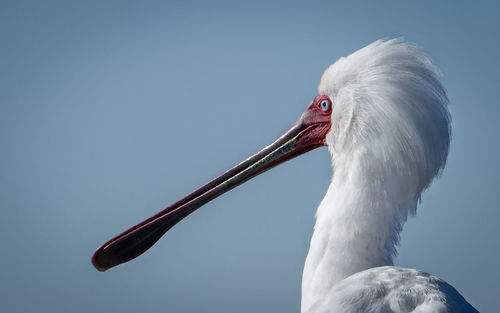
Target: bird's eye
x,y
325,105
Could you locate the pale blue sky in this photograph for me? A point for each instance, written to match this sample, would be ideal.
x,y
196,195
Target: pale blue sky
x,y
111,110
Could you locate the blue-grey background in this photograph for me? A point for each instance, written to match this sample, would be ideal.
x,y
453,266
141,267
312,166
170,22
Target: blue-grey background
x,y
111,110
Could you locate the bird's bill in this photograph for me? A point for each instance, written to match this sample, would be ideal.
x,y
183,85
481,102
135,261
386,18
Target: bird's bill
x,y
307,133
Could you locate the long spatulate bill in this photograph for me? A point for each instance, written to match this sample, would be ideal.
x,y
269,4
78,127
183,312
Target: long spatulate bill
x,y
307,133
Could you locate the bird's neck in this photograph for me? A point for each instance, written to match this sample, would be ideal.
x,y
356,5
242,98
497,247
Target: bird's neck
x,y
357,224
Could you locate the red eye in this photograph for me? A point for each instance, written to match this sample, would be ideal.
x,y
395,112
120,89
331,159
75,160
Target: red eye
x,y
325,105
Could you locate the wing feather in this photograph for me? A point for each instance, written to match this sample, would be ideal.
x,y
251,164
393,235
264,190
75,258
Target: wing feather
x,y
390,289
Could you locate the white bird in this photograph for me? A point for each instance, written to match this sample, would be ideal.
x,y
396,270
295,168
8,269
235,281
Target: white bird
x,y
383,114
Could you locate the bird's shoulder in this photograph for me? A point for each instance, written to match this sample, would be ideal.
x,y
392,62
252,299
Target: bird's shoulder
x,y
390,289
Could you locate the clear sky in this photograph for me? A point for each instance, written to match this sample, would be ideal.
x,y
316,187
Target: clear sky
x,y
111,110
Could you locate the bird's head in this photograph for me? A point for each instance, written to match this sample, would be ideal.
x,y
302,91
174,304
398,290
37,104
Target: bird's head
x,y
389,111
381,108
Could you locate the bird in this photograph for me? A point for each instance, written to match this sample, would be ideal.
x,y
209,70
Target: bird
x,y
383,114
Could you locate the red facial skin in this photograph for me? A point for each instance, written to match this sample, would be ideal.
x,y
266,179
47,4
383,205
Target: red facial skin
x,y
317,121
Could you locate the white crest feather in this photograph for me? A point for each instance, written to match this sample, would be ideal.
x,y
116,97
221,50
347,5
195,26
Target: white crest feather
x,y
388,96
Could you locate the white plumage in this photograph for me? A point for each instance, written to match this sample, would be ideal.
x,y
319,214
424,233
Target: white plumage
x,y
389,138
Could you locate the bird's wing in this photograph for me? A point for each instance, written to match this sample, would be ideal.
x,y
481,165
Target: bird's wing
x,y
391,289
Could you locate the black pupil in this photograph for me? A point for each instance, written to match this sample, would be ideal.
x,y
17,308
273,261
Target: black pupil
x,y
324,104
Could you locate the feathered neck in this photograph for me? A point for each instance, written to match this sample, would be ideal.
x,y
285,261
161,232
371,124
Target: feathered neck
x,y
358,222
